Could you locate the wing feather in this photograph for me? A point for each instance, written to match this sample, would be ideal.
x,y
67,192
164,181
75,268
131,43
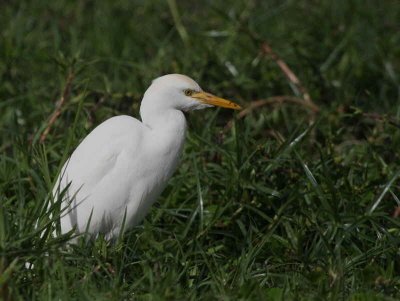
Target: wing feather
x,y
95,167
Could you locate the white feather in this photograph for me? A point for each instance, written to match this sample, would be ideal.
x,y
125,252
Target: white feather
x,y
123,165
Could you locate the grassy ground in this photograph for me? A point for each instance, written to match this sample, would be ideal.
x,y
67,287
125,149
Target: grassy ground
x,y
287,204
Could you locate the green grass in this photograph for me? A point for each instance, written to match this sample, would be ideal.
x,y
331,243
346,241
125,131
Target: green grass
x,y
285,205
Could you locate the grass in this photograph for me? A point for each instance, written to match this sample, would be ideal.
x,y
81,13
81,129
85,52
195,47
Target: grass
x,y
285,205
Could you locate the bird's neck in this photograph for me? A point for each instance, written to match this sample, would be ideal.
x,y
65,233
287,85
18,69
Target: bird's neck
x,y
162,118
167,123
167,131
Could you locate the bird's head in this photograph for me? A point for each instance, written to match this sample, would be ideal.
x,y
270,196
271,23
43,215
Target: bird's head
x,y
182,93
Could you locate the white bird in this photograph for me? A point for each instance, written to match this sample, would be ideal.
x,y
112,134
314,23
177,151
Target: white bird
x,y
119,170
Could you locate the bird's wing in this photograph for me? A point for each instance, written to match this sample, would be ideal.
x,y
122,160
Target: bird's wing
x,y
93,161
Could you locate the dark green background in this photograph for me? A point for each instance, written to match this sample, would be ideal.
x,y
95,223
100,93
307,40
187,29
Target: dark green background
x,y
288,204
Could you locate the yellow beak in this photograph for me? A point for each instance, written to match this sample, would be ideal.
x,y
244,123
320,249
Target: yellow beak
x,y
209,99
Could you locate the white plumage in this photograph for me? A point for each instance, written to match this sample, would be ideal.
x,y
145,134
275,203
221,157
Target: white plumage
x,y
123,165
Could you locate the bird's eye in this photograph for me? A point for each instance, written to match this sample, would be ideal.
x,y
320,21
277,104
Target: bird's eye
x,y
188,92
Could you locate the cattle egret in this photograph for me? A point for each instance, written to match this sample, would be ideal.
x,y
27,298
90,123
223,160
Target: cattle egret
x,y
119,170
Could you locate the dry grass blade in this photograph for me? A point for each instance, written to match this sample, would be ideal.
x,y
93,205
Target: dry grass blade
x,y
271,100
58,110
378,117
266,49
